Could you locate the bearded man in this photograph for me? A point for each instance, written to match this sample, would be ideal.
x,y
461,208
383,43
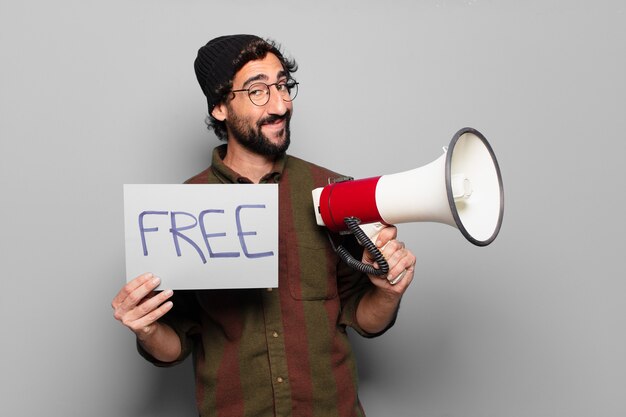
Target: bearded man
x,y
278,351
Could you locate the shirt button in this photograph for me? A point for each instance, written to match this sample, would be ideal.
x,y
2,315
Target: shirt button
x,y
280,380
274,334
270,289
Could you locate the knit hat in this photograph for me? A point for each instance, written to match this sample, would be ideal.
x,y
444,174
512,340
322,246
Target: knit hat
x,y
216,64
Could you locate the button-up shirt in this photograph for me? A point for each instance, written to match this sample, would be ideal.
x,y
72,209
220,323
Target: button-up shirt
x,y
281,351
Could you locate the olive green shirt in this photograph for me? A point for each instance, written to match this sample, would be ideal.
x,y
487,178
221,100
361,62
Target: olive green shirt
x,y
282,351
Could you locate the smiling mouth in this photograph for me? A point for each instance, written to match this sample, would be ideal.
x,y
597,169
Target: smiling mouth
x,y
275,123
272,121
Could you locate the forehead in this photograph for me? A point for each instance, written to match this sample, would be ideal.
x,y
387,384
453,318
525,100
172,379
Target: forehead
x,y
268,68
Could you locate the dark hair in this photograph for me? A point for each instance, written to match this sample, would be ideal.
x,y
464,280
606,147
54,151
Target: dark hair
x,y
257,49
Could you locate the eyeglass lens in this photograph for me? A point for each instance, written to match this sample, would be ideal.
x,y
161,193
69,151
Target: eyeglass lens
x,y
259,93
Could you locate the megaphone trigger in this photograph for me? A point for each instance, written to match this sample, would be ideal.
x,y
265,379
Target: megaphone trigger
x,y
372,230
398,278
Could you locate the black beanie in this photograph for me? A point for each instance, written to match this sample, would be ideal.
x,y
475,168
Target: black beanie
x,y
215,63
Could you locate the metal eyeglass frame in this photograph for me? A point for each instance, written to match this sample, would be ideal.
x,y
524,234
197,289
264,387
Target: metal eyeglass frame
x,y
290,82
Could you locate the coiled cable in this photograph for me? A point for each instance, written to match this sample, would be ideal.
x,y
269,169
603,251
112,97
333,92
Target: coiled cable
x,y
366,242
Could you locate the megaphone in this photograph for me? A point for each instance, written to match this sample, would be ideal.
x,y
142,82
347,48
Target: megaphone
x,y
462,188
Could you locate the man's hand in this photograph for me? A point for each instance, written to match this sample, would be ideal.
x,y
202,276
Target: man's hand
x,y
378,307
138,307
401,262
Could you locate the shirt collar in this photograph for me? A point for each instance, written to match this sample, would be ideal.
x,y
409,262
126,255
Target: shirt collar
x,y
227,175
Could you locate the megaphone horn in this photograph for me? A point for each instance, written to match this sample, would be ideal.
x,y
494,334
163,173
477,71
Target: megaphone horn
x,y
462,188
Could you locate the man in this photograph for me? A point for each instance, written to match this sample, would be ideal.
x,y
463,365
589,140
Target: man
x,y
268,352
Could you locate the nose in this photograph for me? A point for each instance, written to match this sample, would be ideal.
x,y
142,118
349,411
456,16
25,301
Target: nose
x,y
276,105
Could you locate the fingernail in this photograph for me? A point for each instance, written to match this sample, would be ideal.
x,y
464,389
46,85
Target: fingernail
x,y
156,280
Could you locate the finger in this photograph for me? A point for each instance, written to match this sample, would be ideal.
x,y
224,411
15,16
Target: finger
x,y
394,246
144,325
394,281
136,296
149,296
130,287
390,253
405,275
148,305
391,248
395,255
387,250
387,234
405,267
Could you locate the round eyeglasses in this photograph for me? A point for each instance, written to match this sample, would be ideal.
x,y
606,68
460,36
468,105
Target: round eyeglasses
x,y
259,93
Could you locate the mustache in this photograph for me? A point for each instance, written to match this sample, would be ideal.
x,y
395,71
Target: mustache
x,y
275,118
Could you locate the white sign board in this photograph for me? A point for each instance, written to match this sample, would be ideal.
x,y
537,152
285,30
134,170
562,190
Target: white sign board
x,y
203,236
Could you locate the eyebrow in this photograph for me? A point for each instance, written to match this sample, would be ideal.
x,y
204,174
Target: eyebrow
x,y
257,77
263,77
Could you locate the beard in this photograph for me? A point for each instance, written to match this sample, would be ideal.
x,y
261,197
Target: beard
x,y
252,138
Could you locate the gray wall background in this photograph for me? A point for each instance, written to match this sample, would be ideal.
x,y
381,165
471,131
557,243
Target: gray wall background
x,y
97,94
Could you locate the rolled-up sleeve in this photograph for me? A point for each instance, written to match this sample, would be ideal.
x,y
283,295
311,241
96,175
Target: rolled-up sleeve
x,y
352,285
182,318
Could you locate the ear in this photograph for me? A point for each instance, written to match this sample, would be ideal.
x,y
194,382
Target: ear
x,y
220,112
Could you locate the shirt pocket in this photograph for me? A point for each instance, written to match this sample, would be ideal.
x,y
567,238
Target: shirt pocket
x,y
312,267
